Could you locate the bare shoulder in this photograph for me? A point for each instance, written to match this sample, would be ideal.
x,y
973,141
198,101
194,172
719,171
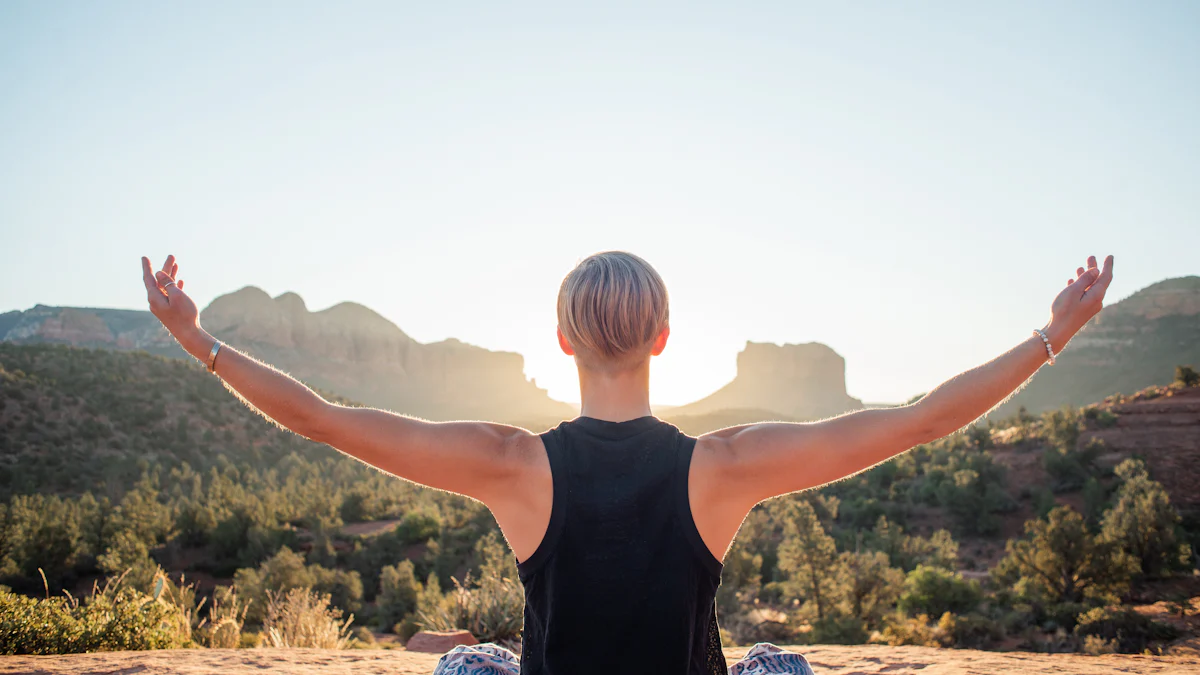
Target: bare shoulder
x,y
525,448
719,451
714,465
718,496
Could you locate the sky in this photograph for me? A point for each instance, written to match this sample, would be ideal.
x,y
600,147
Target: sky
x,y
909,183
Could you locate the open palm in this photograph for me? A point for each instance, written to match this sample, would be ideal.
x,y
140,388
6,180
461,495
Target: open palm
x,y
1082,298
168,303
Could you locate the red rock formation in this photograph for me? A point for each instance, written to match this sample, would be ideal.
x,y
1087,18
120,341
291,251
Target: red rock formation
x,y
1165,432
76,327
439,642
795,381
353,351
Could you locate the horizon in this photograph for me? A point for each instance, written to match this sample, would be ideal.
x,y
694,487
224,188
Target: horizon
x,y
910,187
659,407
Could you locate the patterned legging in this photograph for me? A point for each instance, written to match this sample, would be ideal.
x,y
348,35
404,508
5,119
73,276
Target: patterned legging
x,y
489,659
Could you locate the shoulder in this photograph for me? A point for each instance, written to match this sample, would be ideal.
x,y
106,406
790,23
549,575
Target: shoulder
x,y
525,449
713,452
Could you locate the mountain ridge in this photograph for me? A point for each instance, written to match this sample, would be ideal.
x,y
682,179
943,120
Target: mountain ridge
x,y
354,351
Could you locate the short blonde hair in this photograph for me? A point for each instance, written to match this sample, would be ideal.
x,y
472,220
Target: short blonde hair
x,y
611,307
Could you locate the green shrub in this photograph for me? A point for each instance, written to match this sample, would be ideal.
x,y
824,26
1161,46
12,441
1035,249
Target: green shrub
x,y
918,630
974,498
839,630
492,607
418,526
1131,632
1144,523
1187,376
1061,428
286,570
907,551
1070,468
398,589
1103,417
934,591
115,618
975,631
1060,561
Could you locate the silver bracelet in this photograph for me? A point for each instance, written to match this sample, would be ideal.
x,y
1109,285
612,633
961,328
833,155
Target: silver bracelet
x,y
212,357
1049,349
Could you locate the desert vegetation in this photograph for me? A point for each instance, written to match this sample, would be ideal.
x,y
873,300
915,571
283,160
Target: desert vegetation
x,y
143,507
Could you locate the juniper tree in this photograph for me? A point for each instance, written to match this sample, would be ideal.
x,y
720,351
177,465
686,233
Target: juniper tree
x,y
809,558
1143,522
1060,561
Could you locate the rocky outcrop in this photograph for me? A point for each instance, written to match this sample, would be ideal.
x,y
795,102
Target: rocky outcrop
x,y
347,349
1132,344
88,327
1164,432
352,350
794,381
439,642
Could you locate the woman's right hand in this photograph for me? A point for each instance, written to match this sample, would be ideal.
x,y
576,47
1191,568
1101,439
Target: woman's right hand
x,y
170,305
1076,304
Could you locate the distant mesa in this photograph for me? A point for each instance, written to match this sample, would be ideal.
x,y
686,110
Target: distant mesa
x,y
793,381
352,350
347,349
355,352
89,327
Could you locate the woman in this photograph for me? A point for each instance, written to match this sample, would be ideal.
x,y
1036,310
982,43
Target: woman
x,y
619,521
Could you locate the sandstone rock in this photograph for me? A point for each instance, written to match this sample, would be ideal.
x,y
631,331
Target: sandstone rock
x,y
1165,434
794,381
88,327
347,349
439,642
353,351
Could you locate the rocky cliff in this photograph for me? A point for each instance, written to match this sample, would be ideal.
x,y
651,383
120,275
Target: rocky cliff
x,y
347,349
89,327
354,351
793,381
1133,344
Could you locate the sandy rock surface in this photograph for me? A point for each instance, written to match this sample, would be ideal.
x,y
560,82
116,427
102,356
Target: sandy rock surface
x,y
826,660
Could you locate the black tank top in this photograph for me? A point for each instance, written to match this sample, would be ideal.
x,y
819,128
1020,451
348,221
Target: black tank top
x,y
622,581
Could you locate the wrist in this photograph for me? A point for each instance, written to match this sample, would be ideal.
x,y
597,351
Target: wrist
x,y
197,342
1058,334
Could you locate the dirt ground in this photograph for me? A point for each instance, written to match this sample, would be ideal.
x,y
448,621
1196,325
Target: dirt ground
x,y
826,660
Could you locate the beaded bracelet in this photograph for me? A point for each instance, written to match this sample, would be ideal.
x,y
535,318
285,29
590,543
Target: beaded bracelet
x,y
1049,350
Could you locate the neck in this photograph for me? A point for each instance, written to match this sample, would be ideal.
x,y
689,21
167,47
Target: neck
x,y
615,397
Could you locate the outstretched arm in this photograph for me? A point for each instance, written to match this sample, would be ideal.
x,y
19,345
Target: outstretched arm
x,y
760,461
475,459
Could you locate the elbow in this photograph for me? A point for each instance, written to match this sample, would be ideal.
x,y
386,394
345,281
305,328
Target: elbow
x,y
314,424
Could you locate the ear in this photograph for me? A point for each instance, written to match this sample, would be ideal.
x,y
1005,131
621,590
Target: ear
x,y
563,344
660,342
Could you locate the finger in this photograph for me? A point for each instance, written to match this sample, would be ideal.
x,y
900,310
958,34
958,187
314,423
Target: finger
x,y
1104,278
174,270
1078,272
179,284
168,284
1091,262
1070,281
167,265
154,294
148,276
1086,278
